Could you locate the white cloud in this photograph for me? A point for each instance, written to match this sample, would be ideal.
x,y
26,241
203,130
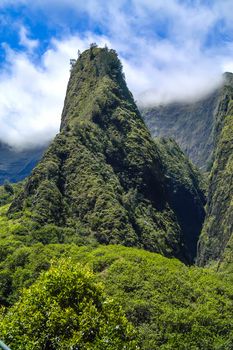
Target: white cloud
x,y
25,41
32,94
159,67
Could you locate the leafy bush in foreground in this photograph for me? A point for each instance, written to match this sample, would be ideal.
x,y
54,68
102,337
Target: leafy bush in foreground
x,y
66,309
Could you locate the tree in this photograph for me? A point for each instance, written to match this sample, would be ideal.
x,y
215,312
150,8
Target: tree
x,y
8,187
66,309
93,45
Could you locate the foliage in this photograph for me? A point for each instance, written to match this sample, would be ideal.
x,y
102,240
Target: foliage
x,y
171,305
185,188
8,187
216,237
8,191
66,309
174,307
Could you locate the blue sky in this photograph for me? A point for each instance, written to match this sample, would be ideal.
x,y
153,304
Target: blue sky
x,y
171,50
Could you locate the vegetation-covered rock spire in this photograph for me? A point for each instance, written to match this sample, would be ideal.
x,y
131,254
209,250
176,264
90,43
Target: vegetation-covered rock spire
x,y
103,177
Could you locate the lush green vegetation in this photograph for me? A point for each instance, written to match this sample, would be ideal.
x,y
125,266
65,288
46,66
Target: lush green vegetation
x,y
171,305
66,309
8,192
185,188
216,238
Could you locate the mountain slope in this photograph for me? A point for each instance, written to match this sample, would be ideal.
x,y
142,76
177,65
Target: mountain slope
x,y
185,188
217,234
192,125
103,176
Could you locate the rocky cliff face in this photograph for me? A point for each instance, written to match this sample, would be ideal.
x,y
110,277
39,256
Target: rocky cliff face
x,y
185,188
104,177
192,125
217,234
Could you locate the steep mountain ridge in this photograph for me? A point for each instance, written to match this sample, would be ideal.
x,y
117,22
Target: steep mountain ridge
x,y
217,233
193,125
185,188
103,176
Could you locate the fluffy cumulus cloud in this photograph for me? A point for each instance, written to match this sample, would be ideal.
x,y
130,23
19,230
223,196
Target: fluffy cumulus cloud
x,y
171,50
32,93
31,96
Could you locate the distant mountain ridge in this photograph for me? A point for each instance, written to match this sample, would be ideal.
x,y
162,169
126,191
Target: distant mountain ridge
x,y
192,125
15,165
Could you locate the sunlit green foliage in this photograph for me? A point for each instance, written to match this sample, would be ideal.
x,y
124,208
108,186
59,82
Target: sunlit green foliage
x,y
66,309
8,191
171,305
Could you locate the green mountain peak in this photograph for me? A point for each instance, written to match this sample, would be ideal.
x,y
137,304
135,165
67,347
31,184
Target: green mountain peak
x,y
96,83
104,179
